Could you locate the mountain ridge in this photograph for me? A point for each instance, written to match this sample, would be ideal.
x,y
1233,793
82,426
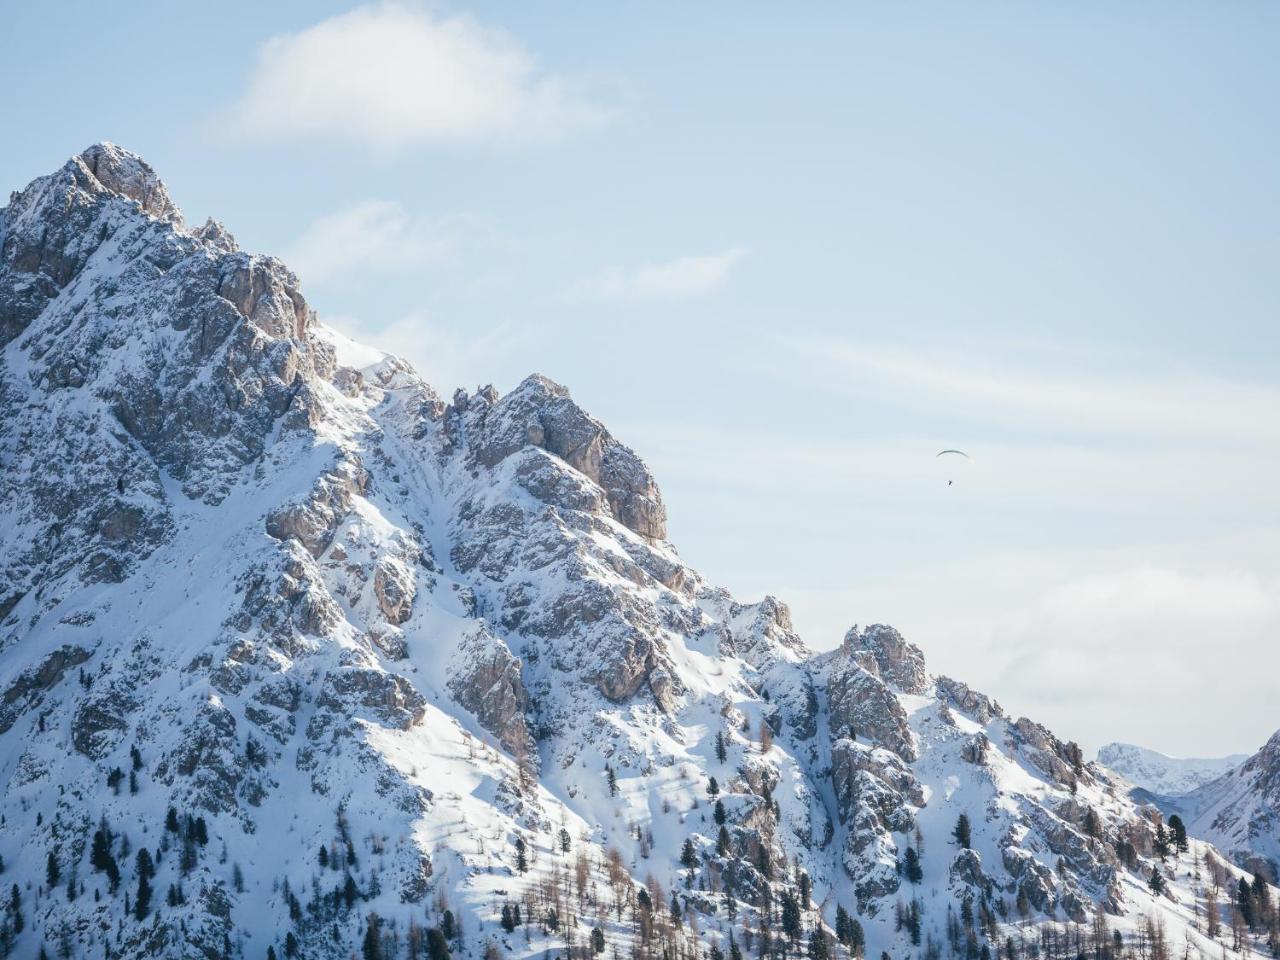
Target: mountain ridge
x,y
347,661
1163,774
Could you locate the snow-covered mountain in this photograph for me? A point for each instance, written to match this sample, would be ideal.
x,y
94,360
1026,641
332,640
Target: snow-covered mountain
x,y
1163,775
298,658
1240,811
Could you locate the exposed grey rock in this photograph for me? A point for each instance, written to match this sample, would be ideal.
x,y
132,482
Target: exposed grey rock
x,y
897,662
485,679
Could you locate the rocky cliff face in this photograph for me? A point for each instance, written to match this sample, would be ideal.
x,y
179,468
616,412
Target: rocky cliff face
x,y
1240,811
295,653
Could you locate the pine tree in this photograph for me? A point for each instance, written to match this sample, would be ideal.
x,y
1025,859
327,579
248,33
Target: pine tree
x,y
171,821
142,903
271,952
713,788
857,938
508,924
597,940
843,927
437,945
52,874
522,858
722,843
612,779
722,754
371,946
1244,902
790,916
911,867
349,891
1156,881
817,945
688,855
962,831
1162,842
806,890
1179,831
323,856
719,814
564,840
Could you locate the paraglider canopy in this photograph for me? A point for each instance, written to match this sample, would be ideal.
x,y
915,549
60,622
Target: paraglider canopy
x,y
948,454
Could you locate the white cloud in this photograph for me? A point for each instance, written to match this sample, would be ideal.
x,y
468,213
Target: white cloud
x,y
393,74
1172,647
375,235
1168,408
676,279
442,357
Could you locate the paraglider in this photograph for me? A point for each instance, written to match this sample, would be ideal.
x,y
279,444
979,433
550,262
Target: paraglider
x,y
954,453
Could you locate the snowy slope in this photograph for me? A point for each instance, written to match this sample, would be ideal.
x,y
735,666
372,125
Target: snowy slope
x,y
397,663
1240,811
1160,774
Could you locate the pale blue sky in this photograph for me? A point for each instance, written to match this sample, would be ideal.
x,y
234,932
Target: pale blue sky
x,y
787,253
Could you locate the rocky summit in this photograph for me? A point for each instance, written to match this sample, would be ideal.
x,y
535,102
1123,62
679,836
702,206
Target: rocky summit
x,y
300,658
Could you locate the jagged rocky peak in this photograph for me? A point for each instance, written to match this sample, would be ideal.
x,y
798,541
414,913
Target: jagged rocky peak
x,y
126,174
540,412
145,351
883,651
383,657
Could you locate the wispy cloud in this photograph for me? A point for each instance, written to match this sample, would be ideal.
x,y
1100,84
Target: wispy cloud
x,y
375,235
443,357
677,279
394,74
1173,407
1114,540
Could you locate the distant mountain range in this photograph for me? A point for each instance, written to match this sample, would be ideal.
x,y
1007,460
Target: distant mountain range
x,y
1160,774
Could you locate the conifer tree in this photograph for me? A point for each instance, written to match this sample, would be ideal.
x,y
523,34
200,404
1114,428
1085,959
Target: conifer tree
x,y
437,945
1179,831
52,874
962,831
371,946
718,814
1161,842
142,902
843,926
1156,881
722,754
911,866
